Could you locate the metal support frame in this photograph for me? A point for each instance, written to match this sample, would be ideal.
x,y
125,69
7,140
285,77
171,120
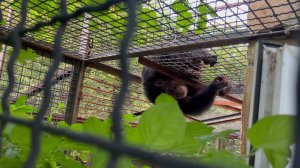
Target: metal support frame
x,y
239,38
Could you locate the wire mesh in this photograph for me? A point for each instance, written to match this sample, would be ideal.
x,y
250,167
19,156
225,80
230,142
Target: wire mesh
x,y
160,25
106,87
205,64
105,43
29,82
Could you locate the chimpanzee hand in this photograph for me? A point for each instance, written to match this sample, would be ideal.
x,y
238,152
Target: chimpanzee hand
x,y
222,84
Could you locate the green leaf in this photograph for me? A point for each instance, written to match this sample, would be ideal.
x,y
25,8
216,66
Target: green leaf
x,y
164,99
68,144
215,135
50,118
100,1
2,22
10,153
185,18
146,167
50,143
66,161
272,132
20,135
179,6
99,158
85,155
274,135
224,159
11,163
9,128
63,124
93,2
184,22
25,55
93,24
163,125
96,127
201,24
77,127
49,8
21,101
20,109
146,14
126,162
278,158
148,19
194,129
108,17
61,105
205,9
189,144
128,118
132,135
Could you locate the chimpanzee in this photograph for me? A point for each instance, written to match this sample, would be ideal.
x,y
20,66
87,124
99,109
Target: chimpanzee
x,y
191,99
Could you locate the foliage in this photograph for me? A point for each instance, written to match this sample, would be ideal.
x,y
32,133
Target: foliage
x,y
112,22
274,135
20,108
25,55
185,18
161,129
56,110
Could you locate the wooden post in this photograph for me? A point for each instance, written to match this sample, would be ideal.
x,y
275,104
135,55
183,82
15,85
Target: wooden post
x,y
78,75
221,144
75,90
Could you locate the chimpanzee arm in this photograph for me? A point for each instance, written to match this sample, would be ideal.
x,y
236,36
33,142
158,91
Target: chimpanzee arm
x,y
199,102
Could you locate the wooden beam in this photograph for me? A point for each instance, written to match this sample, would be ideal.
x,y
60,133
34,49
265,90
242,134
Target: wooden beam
x,y
229,108
112,71
169,72
225,102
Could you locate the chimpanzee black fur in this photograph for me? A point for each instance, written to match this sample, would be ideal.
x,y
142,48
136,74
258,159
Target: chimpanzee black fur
x,y
191,99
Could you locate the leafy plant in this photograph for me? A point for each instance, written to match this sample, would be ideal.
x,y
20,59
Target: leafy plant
x,y
185,18
161,129
58,109
204,10
21,109
274,135
2,22
148,19
25,55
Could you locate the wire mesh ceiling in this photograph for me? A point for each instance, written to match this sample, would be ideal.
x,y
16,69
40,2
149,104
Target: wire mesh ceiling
x,y
164,25
161,24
